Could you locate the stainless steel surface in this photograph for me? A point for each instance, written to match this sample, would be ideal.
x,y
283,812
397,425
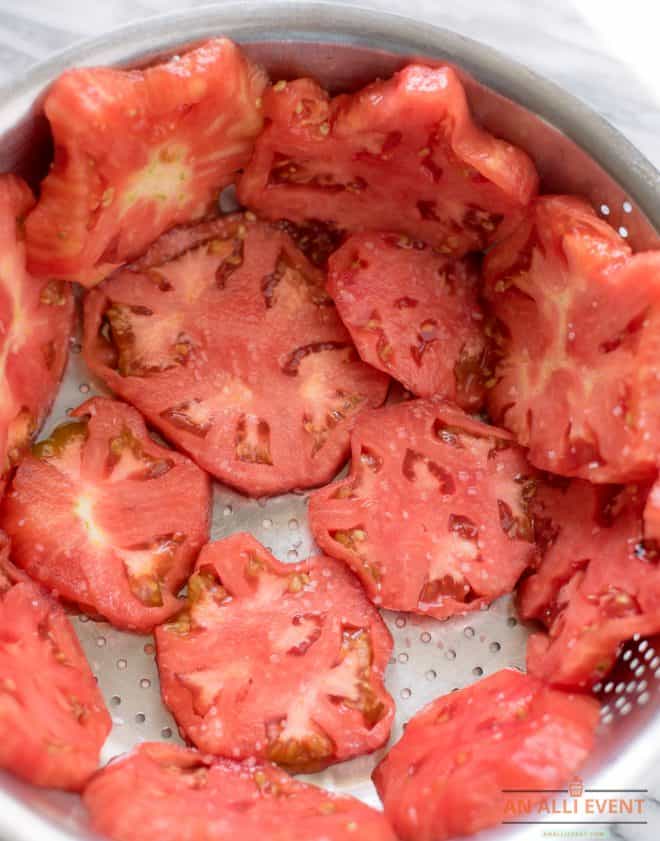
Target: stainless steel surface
x,y
344,47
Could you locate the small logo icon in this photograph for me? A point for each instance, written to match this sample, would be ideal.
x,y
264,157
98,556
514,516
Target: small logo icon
x,y
576,787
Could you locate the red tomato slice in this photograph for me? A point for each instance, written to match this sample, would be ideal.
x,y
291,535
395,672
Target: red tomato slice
x,y
598,583
53,722
433,516
166,793
9,574
402,155
35,322
580,340
431,338
282,661
317,240
106,517
137,152
652,513
5,580
449,773
224,337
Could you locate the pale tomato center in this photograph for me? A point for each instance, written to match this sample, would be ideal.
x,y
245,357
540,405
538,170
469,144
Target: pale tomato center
x,y
84,510
164,179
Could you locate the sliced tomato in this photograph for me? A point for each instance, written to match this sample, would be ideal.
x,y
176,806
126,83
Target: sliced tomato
x,y
106,517
9,574
224,337
414,314
450,773
598,583
53,721
403,155
35,322
137,152
317,240
166,793
580,341
5,581
433,516
652,513
282,661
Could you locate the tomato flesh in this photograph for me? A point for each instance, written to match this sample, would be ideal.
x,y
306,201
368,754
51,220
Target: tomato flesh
x,y
137,152
224,337
401,155
281,661
433,516
5,566
53,721
580,341
106,517
35,323
449,773
652,513
414,314
166,793
598,583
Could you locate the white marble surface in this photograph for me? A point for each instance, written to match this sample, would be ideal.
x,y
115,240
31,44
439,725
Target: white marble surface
x,y
600,50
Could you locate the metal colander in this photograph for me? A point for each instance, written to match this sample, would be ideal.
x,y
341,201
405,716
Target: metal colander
x,y
575,151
